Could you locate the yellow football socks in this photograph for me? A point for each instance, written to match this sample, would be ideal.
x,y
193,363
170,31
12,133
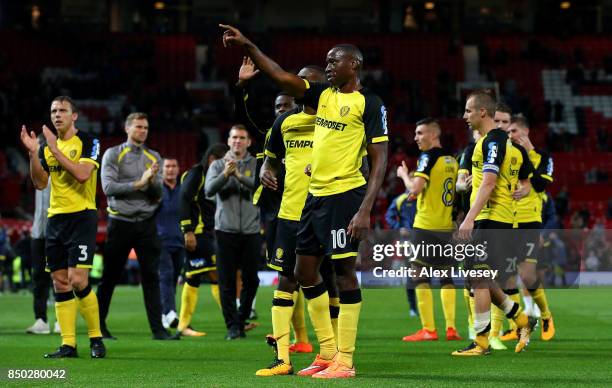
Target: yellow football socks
x,y
425,305
497,320
66,312
348,320
318,310
189,299
298,319
88,306
469,305
448,295
214,290
540,298
282,310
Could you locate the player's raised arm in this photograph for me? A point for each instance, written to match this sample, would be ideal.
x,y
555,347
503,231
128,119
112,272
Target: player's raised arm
x,y
81,171
289,82
38,172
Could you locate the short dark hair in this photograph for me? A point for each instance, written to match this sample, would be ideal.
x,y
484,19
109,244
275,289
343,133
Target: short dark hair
x,y
484,99
520,120
239,127
218,150
504,108
430,121
427,121
135,116
353,51
283,94
316,68
317,73
67,99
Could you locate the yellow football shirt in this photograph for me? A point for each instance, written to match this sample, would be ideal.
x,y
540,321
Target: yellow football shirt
x,y
292,139
345,123
67,194
495,153
435,202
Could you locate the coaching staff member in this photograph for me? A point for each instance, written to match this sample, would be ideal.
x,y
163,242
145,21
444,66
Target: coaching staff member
x,y
232,180
133,186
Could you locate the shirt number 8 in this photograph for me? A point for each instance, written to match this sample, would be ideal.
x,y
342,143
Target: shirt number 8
x,y
449,192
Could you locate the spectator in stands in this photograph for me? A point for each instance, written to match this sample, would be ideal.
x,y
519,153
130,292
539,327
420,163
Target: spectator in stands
x,y
23,250
7,255
231,180
591,262
173,247
562,202
577,221
131,181
550,220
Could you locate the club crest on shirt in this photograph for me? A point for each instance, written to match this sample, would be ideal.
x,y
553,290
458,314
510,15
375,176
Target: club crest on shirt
x,y
72,154
279,253
513,161
344,111
423,162
247,173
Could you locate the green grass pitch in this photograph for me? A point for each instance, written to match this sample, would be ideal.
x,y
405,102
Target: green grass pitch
x,y
580,355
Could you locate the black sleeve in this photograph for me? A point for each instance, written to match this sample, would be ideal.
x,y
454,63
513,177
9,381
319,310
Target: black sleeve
x,y
465,163
43,160
542,175
255,126
494,152
312,93
546,167
191,182
275,146
526,167
91,148
426,161
375,119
